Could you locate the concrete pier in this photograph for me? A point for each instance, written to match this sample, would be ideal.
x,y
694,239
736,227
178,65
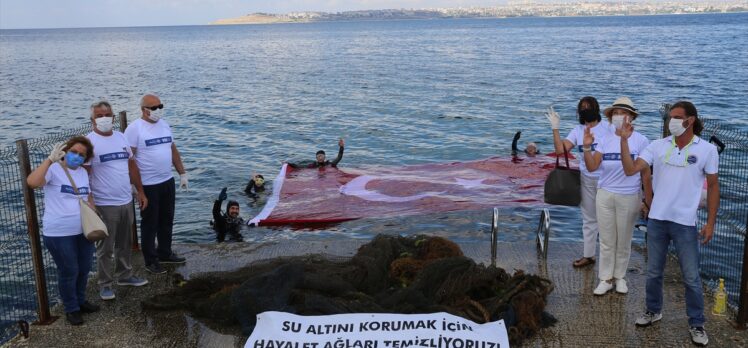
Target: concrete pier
x,y
584,320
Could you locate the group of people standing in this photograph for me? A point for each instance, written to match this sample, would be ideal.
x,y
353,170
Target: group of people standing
x,y
102,168
623,174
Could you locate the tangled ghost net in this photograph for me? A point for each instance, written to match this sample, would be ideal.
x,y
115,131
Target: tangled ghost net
x,y
390,274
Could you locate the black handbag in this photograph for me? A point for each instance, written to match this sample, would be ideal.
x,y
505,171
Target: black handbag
x,y
563,185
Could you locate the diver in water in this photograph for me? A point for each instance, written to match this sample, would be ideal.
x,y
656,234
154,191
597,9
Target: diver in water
x,y
531,150
228,223
320,161
255,185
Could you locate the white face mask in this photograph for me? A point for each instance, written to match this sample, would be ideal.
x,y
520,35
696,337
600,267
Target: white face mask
x,y
617,121
156,115
675,126
105,124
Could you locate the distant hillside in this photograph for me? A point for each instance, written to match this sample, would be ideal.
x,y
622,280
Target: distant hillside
x,y
511,10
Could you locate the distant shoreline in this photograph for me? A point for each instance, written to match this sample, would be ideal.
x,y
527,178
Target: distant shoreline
x,y
458,18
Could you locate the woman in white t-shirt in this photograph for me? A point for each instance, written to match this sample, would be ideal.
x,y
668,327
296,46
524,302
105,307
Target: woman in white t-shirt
x,y
61,222
588,111
619,198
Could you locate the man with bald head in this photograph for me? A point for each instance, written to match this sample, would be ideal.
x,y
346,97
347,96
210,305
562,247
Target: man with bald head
x,y
155,152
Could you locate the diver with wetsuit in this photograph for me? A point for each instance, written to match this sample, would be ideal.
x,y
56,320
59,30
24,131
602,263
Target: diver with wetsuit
x,y
531,150
255,186
228,223
320,161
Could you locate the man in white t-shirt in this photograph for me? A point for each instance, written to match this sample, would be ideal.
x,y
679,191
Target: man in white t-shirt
x,y
681,162
152,145
112,171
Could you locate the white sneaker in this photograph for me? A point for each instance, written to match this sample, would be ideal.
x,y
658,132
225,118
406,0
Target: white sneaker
x,y
621,287
698,336
648,318
603,288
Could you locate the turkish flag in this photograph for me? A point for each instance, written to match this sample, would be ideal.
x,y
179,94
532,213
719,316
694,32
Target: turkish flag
x,y
328,194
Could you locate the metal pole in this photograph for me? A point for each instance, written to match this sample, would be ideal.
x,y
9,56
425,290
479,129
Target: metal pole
x,y
135,245
494,235
32,223
743,307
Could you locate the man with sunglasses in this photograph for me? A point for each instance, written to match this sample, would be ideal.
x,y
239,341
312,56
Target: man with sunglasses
x,y
681,162
155,152
112,170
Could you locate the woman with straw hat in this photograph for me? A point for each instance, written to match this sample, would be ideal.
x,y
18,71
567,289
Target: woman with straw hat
x,y
618,201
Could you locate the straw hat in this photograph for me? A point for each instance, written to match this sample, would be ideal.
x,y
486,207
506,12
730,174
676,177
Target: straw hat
x,y
623,103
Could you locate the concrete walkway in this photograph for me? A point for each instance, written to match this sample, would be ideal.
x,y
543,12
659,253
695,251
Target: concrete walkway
x,y
584,320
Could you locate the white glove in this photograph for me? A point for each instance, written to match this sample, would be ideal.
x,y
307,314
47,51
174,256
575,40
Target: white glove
x,y
553,117
57,152
184,182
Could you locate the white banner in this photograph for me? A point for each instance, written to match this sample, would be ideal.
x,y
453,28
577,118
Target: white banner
x,y
438,330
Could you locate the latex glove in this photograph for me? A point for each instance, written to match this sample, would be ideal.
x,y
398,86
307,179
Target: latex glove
x,y
184,182
57,152
553,117
223,196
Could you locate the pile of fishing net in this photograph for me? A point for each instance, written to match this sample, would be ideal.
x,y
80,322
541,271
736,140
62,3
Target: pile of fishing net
x,y
390,274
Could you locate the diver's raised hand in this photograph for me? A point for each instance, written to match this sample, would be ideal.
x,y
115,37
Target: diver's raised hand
x,y
341,142
222,196
553,117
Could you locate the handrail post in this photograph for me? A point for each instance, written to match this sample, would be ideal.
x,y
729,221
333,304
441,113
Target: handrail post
x,y
135,245
494,235
32,224
743,306
544,227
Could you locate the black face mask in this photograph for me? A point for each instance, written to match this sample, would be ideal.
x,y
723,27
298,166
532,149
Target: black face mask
x,y
588,115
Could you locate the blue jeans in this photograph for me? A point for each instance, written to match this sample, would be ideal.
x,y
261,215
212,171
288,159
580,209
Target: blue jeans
x,y
73,256
686,241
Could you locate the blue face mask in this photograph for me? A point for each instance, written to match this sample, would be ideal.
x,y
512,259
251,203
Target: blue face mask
x,y
74,160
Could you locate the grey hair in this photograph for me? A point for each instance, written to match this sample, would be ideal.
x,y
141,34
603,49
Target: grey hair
x,y
101,103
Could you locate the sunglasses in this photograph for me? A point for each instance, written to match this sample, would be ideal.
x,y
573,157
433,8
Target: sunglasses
x,y
154,108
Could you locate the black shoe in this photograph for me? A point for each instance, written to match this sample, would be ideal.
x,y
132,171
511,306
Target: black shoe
x,y
88,307
74,318
173,258
155,268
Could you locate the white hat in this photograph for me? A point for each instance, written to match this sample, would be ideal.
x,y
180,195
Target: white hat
x,y
623,103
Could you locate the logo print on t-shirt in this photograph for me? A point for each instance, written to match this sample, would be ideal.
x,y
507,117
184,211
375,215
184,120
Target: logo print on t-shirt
x,y
82,191
157,141
692,159
113,156
615,156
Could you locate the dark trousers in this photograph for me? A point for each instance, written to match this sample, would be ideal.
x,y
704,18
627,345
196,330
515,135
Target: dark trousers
x,y
73,256
156,221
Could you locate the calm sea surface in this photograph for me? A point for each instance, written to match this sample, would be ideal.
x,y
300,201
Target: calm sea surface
x,y
241,99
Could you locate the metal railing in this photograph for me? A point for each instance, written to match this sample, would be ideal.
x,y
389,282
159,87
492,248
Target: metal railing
x,y
28,277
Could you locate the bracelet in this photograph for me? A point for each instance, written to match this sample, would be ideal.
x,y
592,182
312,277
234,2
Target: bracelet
x,y
586,148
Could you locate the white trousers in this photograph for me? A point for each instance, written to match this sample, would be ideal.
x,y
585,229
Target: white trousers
x,y
616,216
589,215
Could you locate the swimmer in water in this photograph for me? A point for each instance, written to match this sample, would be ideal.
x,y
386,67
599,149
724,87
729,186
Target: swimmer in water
x,y
228,223
531,149
255,185
321,161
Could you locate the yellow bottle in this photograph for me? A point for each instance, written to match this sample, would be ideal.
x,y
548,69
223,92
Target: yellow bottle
x,y
720,299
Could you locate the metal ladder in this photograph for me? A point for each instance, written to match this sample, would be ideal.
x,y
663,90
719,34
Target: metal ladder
x,y
542,234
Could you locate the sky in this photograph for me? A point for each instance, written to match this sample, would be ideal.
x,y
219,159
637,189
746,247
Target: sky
x,y
21,14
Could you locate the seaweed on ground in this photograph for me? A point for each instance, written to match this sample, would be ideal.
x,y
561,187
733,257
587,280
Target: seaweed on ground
x,y
391,274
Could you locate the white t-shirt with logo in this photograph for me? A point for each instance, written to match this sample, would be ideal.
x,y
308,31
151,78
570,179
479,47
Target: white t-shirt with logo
x,y
677,189
612,177
576,137
153,156
62,215
110,174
